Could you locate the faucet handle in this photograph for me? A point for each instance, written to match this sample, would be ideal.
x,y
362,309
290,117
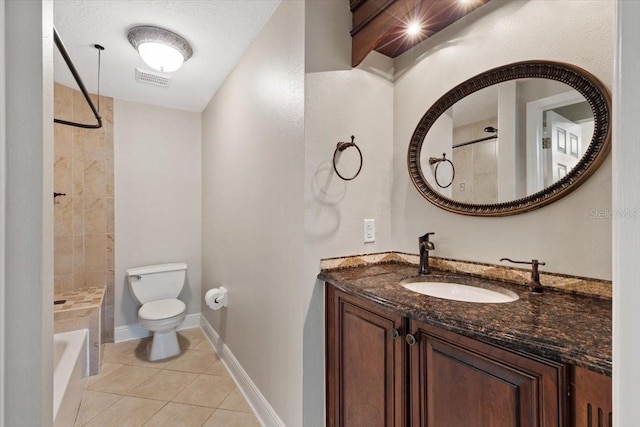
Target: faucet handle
x,y
532,262
425,238
534,284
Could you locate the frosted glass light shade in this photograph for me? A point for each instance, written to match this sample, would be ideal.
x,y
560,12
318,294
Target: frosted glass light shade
x,y
160,56
160,49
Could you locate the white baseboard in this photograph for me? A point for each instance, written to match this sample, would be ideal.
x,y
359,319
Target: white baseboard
x,y
261,407
135,331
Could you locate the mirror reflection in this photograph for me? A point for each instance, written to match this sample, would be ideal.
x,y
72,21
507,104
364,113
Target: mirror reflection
x,y
507,141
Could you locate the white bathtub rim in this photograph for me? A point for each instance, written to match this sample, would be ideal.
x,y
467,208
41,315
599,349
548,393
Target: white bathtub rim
x,y
63,369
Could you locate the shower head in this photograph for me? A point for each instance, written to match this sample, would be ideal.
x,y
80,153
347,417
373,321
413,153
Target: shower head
x,y
490,129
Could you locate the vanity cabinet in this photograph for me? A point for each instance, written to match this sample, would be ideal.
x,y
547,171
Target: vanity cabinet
x,y
366,364
591,399
386,370
458,381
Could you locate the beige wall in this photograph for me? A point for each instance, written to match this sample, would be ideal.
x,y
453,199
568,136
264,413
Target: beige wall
x,y
339,102
157,197
3,186
253,174
83,217
28,273
564,234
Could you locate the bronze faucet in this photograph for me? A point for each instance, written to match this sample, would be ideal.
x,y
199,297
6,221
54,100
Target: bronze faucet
x,y
424,246
534,285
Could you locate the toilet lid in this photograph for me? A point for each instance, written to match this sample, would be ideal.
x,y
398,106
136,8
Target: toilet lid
x,y
161,309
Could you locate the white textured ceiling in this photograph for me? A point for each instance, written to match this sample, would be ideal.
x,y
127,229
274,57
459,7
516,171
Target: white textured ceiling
x,y
219,31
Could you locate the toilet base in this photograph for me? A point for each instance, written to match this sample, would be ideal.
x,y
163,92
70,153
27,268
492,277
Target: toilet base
x,y
163,345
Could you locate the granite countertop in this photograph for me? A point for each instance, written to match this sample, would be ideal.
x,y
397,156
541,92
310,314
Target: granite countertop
x,y
556,325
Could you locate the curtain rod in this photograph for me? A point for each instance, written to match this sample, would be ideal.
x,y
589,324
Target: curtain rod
x,y
475,141
83,89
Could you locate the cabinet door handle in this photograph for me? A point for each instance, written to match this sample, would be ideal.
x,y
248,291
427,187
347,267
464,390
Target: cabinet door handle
x,y
411,340
395,333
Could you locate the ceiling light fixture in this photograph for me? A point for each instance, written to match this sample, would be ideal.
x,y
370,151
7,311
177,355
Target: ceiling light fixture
x,y
414,28
160,49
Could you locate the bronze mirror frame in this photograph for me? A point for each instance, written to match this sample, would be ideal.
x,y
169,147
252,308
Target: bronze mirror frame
x,y
596,94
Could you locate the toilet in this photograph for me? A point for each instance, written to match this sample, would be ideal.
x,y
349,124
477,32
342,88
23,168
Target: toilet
x,y
157,287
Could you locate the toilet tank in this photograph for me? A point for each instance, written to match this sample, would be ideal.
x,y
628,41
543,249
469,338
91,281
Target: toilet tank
x,y
156,282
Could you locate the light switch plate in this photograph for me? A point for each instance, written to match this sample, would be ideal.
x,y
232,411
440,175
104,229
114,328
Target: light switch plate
x,y
369,230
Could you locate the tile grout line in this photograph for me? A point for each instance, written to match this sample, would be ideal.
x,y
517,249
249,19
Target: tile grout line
x,y
96,415
154,414
180,391
193,344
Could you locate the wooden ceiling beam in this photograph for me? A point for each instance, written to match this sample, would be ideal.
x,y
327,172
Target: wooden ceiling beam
x,y
381,24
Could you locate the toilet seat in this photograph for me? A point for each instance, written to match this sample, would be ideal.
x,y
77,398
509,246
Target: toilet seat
x,y
161,309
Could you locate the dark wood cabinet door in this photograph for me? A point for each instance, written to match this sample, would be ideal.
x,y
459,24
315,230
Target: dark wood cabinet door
x,y
366,364
457,381
591,398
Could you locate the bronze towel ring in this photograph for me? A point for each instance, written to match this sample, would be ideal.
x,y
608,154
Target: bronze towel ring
x,y
341,147
437,162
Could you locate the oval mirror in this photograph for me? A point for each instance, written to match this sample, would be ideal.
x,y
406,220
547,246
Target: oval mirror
x,y
512,139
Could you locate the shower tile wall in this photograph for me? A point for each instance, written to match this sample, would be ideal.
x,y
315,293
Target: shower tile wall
x,y
84,217
476,164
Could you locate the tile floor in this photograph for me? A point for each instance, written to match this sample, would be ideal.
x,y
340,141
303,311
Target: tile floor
x,y
192,389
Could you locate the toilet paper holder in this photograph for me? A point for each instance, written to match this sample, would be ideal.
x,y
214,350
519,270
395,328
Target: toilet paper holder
x,y
216,298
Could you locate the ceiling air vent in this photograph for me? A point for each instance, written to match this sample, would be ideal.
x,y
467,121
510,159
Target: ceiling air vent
x,y
152,78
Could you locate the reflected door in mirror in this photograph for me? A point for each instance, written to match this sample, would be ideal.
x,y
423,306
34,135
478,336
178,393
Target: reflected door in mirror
x,y
517,136
508,141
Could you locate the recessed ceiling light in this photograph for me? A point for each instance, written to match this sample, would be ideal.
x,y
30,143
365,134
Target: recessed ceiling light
x,y
414,28
160,49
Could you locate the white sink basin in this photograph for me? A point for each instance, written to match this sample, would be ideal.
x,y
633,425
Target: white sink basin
x,y
458,292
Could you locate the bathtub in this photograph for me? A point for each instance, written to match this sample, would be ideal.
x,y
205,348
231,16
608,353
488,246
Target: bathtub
x,y
70,371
